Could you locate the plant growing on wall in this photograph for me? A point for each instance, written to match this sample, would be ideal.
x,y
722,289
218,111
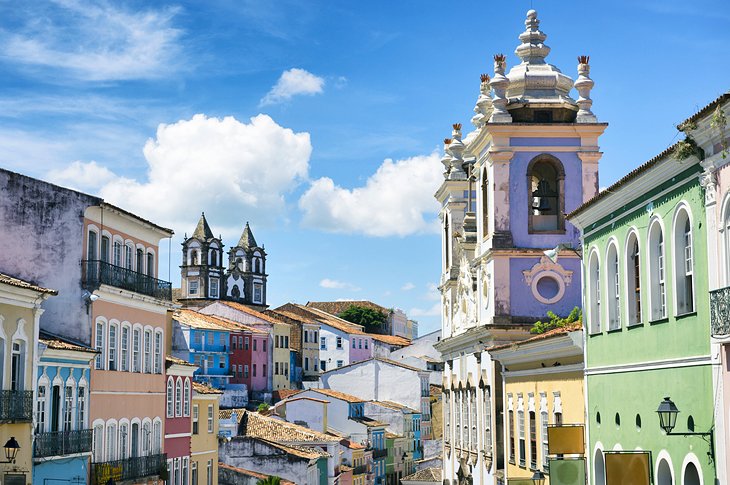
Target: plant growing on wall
x,y
556,321
372,320
688,147
263,407
269,481
719,122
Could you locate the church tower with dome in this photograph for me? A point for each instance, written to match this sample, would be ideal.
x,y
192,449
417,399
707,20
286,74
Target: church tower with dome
x,y
531,158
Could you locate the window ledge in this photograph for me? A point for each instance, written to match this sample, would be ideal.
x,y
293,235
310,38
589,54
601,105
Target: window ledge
x,y
685,315
595,334
615,330
635,325
659,321
560,232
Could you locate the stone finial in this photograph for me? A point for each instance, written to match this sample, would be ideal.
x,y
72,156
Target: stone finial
x,y
583,85
446,159
532,50
484,107
447,141
456,150
499,85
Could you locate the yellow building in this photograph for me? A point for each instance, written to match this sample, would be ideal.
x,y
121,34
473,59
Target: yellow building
x,y
281,356
204,441
19,314
542,379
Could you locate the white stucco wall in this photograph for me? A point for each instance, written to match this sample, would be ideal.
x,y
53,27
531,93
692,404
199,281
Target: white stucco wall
x,y
312,414
332,354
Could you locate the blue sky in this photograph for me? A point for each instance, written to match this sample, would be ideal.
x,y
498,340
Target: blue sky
x,y
319,121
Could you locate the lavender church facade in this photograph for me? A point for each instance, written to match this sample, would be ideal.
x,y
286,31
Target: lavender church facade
x,y
508,184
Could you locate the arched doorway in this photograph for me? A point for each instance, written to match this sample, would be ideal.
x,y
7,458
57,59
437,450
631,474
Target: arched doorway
x,y
664,473
691,475
599,469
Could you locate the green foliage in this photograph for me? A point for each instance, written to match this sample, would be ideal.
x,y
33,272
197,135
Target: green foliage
x,y
719,122
364,316
557,322
687,148
263,407
269,481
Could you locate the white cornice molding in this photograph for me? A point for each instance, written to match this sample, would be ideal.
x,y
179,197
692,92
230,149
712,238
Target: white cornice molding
x,y
119,296
560,369
21,297
651,365
567,345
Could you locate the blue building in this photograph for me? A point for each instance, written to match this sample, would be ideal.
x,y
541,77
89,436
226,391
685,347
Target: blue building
x,y
380,453
203,340
417,443
62,439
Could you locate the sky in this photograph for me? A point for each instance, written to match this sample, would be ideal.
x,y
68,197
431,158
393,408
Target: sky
x,y
320,122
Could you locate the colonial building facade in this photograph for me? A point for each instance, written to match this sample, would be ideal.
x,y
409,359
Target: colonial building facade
x,y
507,185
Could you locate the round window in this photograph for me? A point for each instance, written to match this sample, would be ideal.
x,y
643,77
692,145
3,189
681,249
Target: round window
x,y
548,287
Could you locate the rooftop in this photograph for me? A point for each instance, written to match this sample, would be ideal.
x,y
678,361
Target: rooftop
x,y
59,343
425,475
227,413
250,473
243,308
337,307
17,282
391,339
396,406
379,359
201,388
268,428
202,321
338,395
170,360
543,336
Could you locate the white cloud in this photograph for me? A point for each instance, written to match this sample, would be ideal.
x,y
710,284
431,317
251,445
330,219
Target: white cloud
x,y
232,169
292,83
331,284
89,175
397,200
433,293
434,311
95,42
408,286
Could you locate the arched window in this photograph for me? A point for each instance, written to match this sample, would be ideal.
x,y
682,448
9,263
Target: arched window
x,y
545,184
111,441
487,419
633,279
613,286
447,243
664,473
683,262
136,343
485,203
17,366
158,352
178,397
128,256
594,292
99,344
447,417
186,398
157,437
150,264
40,414
170,398
691,475
146,438
124,349
112,346
213,257
148,351
194,260
98,442
140,261
599,469
123,441
657,272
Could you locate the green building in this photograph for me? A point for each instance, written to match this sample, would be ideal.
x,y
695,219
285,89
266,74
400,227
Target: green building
x,y
646,314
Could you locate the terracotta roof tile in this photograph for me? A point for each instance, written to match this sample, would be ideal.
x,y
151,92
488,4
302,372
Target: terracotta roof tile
x,y
201,388
258,426
243,308
337,307
198,320
351,444
170,360
706,110
227,413
338,395
60,343
425,475
17,282
379,359
543,336
280,394
391,339
396,406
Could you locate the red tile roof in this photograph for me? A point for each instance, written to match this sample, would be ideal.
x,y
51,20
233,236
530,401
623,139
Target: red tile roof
x,y
17,282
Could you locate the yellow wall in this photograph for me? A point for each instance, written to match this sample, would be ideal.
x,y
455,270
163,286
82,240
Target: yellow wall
x,y
10,315
204,445
570,387
282,356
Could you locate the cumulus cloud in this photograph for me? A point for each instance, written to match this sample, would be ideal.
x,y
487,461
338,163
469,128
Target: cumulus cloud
x,y
397,200
408,286
96,41
434,311
232,169
331,284
79,175
292,83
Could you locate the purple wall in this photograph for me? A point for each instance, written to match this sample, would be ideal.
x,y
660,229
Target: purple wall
x,y
519,198
522,301
357,353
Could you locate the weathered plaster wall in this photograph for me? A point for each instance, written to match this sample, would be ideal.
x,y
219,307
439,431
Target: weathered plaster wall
x,y
252,454
524,304
312,413
42,241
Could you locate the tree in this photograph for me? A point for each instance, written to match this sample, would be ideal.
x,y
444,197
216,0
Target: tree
x,y
263,407
271,480
557,321
372,320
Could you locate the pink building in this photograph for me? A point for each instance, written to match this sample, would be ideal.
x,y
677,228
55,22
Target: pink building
x,y
178,422
361,347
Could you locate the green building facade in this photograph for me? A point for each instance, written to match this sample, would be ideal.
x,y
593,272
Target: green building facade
x,y
646,318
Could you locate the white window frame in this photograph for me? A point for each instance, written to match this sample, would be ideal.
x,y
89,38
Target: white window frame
x,y
170,394
100,344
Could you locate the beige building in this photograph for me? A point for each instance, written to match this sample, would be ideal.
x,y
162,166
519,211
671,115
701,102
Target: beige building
x,y
281,356
20,310
204,440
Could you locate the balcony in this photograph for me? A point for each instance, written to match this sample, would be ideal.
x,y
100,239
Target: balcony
x,y
360,470
720,312
61,443
128,469
16,406
380,453
94,273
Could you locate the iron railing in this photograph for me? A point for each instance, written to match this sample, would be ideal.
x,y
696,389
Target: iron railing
x,y
95,272
128,469
380,453
360,470
720,312
16,406
61,443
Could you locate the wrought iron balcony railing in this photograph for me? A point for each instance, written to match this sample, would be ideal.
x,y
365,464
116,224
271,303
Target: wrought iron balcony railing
x,y
95,272
720,312
61,443
380,453
16,406
128,469
360,470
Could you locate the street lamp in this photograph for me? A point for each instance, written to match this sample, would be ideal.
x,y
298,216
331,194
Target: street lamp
x,y
668,412
538,478
11,450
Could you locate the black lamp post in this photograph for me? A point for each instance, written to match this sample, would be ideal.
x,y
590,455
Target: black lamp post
x,y
538,478
668,412
11,450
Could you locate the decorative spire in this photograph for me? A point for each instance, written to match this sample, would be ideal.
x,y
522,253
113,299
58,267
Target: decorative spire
x,y
484,106
499,85
532,50
583,85
456,149
202,230
247,240
446,159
